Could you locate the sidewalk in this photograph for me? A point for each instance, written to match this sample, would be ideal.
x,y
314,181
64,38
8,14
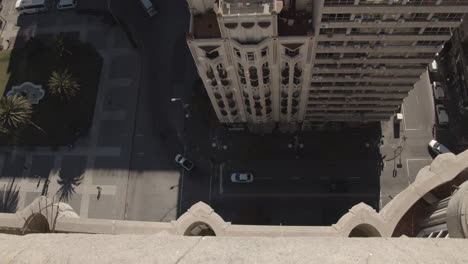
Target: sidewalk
x,y
102,157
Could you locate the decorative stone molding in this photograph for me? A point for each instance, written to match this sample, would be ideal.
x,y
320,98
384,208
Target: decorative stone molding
x,y
359,216
457,213
200,213
444,168
47,211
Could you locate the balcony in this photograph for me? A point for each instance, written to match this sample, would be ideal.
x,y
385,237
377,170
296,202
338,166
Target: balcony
x,y
295,24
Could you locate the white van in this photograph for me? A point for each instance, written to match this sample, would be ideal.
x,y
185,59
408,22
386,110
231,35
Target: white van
x,y
30,6
149,7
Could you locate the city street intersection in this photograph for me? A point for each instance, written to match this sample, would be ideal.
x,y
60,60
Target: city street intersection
x,y
138,130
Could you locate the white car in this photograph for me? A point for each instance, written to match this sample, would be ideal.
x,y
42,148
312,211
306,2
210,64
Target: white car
x,y
438,91
437,147
185,163
442,116
242,177
433,66
66,4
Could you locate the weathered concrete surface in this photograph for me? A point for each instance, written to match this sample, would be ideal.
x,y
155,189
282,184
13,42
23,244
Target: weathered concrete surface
x,y
70,248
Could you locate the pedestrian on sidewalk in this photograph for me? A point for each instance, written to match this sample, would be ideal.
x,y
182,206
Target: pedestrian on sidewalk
x,y
39,182
99,189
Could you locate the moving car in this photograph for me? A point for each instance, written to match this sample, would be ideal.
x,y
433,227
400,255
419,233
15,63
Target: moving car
x,y
66,4
185,163
242,177
149,7
30,6
442,116
438,91
437,147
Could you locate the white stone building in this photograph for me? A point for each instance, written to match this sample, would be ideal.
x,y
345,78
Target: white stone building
x,y
302,62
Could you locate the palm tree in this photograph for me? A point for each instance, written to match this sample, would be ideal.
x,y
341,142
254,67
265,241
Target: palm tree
x,y
63,85
15,112
60,46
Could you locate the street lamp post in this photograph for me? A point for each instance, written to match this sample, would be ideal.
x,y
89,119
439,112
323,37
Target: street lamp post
x,y
296,145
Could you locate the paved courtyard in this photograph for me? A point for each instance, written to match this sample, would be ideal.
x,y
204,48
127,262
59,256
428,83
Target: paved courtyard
x,y
100,160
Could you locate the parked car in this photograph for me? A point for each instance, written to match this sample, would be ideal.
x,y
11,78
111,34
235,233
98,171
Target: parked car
x,y
149,7
438,91
184,162
437,147
242,177
66,4
433,67
30,6
442,116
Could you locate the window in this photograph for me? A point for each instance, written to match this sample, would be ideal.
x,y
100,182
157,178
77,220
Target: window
x,y
264,52
264,24
212,55
292,53
230,25
248,25
237,52
250,56
434,31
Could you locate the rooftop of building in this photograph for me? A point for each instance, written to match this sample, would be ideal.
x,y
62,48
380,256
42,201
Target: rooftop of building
x,y
205,26
239,7
295,23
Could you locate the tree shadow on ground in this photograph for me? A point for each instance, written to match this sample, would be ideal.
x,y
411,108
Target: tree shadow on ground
x,y
68,181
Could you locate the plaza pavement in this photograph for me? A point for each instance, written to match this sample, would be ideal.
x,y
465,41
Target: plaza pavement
x,y
101,158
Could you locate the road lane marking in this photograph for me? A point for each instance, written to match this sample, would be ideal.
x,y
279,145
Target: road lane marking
x,y
211,183
221,178
298,195
263,178
404,120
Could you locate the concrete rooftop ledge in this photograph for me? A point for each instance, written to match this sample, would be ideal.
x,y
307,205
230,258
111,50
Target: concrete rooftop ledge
x,y
79,248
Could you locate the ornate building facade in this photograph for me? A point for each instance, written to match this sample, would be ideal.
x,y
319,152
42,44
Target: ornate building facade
x,y
298,63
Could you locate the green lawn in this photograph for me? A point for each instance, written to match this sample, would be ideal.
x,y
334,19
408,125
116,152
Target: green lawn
x,y
62,121
4,72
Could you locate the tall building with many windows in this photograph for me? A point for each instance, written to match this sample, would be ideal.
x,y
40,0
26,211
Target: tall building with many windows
x,y
298,63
